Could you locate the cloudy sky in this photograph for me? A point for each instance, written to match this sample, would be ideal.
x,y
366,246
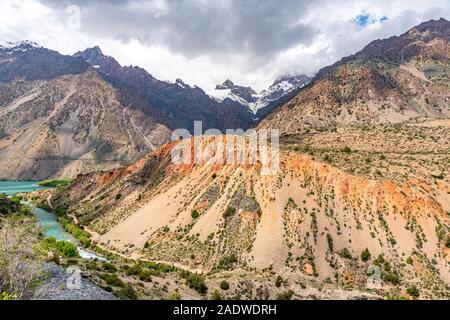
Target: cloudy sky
x,y
204,42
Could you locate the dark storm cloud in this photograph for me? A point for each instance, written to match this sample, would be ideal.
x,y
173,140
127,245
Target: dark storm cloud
x,y
199,27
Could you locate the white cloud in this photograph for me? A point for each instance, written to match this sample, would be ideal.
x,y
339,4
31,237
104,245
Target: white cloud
x,y
206,42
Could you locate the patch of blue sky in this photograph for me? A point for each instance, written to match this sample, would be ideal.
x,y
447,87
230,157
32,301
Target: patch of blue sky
x,y
364,19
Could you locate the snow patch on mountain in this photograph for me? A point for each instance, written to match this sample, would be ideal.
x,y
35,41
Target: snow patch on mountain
x,y
255,101
221,94
19,46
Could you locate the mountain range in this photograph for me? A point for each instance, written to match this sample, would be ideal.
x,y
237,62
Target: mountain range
x,y
389,81
363,181
64,115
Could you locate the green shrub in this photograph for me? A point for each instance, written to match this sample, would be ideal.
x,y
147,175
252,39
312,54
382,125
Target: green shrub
x,y
7,296
195,214
128,292
15,200
112,280
92,265
196,282
82,236
346,150
409,260
287,295
145,275
345,253
54,183
392,277
227,261
327,158
413,291
109,267
216,295
134,270
330,242
278,281
224,285
447,242
229,212
174,296
365,255
64,248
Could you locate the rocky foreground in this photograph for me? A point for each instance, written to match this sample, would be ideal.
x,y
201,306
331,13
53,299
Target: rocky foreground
x,y
56,287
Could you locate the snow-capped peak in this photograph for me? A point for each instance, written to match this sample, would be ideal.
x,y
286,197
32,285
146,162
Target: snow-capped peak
x,y
255,101
182,84
280,88
228,90
19,45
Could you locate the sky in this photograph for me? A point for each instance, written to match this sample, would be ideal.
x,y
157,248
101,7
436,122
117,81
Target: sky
x,y
205,42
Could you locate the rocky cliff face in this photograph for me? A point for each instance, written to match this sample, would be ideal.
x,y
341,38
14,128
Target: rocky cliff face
x,y
389,81
72,114
177,105
29,61
69,125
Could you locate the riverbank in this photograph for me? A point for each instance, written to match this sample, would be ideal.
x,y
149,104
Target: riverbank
x,y
56,279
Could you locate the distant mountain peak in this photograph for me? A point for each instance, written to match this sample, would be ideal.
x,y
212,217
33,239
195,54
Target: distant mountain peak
x,y
181,83
20,45
91,54
227,84
254,101
95,57
295,80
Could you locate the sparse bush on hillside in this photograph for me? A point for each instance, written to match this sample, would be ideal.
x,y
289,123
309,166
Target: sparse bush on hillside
x,y
128,292
365,255
109,267
330,242
145,275
227,261
345,253
224,285
112,280
392,277
174,296
196,282
134,270
216,295
195,214
230,211
346,150
21,259
63,248
413,291
278,281
287,295
447,243
54,183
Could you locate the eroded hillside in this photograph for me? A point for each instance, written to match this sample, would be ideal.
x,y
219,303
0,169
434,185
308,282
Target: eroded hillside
x,y
69,125
310,220
389,81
